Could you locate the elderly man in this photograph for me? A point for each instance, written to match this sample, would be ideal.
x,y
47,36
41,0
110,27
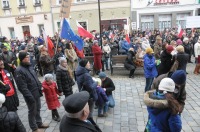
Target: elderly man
x,y
77,108
30,87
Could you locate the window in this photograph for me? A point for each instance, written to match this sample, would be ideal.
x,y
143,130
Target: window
x,y
83,24
80,0
21,3
12,32
58,24
5,3
37,1
40,27
60,1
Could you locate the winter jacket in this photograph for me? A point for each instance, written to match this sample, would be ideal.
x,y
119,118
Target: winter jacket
x,y
50,92
102,97
108,85
64,81
197,49
166,63
46,63
157,50
182,59
85,82
129,64
162,120
56,58
180,95
28,83
106,49
76,125
96,50
10,122
150,70
188,48
125,45
72,58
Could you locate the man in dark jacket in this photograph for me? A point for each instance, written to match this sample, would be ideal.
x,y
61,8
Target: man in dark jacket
x,y
77,111
30,87
129,64
10,121
188,48
179,77
86,83
108,86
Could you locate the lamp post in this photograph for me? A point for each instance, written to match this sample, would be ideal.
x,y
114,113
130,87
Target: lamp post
x,y
99,9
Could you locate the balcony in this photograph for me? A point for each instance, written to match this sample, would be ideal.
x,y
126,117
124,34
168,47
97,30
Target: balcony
x,y
22,5
37,4
6,7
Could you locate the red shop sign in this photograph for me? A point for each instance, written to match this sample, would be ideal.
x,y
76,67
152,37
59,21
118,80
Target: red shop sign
x,y
166,2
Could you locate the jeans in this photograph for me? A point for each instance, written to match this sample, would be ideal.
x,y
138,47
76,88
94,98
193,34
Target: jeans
x,y
106,62
111,101
149,82
34,117
103,107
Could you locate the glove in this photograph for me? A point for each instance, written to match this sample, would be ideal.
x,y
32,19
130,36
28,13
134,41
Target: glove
x,y
5,88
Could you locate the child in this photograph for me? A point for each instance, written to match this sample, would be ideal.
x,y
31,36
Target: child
x,y
50,90
102,101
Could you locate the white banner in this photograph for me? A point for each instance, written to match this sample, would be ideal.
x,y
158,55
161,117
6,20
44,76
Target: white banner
x,y
193,22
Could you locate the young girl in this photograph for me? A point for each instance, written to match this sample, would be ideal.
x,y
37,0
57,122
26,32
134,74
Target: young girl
x,y
102,101
50,90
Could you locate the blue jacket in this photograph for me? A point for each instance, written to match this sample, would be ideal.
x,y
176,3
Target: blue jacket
x,y
85,82
161,120
125,45
150,70
102,97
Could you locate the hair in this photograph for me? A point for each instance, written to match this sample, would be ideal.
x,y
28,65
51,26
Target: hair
x,y
48,77
61,59
173,104
173,42
180,48
98,81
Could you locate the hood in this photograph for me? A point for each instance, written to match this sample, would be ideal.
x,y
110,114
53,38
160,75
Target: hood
x,y
154,103
81,70
149,56
3,112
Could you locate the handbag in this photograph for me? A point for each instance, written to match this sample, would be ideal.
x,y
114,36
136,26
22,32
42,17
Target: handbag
x,y
175,65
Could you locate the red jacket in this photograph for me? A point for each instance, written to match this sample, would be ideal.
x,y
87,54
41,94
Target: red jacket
x,y
50,92
97,52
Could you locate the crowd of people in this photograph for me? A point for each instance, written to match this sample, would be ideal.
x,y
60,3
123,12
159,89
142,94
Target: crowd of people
x,y
164,56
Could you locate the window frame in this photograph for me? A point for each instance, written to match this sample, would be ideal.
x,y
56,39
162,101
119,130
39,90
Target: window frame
x,y
80,1
8,4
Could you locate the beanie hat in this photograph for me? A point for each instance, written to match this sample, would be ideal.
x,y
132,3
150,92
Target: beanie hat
x,y
102,75
149,50
22,47
83,62
185,39
2,99
22,55
179,77
170,48
179,42
167,85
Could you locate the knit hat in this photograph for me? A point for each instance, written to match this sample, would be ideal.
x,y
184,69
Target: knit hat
x,y
178,42
22,55
170,48
83,62
22,47
102,75
167,84
179,77
95,41
185,39
149,50
2,99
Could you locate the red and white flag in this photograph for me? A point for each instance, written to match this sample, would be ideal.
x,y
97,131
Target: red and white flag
x,y
180,31
50,47
127,38
82,32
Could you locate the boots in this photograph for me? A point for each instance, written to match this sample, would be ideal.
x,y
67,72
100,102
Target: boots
x,y
55,115
196,70
131,74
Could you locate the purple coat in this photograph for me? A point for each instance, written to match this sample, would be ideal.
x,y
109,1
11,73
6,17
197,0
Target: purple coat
x,y
102,97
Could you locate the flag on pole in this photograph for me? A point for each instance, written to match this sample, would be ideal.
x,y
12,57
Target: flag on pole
x,y
45,37
127,38
50,47
180,31
82,32
65,8
67,33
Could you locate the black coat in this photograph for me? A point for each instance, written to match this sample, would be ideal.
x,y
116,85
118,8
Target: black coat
x,y
188,48
28,83
10,122
64,81
129,64
76,125
46,63
182,58
166,62
109,85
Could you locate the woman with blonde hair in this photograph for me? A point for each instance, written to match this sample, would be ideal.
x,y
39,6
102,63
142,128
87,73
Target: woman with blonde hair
x,y
173,43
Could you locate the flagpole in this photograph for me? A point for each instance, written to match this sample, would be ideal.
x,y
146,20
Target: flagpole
x,y
99,9
58,36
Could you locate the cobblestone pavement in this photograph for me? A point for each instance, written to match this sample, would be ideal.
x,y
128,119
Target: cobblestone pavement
x,y
129,114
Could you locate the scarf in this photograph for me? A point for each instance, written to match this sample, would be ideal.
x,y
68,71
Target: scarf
x,y
63,68
6,80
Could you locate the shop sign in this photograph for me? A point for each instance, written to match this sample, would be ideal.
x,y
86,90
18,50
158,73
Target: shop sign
x,y
24,19
166,2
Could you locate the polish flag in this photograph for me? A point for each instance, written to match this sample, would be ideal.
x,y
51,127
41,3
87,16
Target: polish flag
x,y
50,47
127,38
82,32
180,31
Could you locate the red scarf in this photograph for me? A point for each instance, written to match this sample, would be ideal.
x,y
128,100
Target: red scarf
x,y
6,80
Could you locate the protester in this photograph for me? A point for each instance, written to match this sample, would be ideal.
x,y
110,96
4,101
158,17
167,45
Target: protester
x,y
187,48
197,57
129,64
7,88
108,86
30,87
58,54
158,47
106,53
97,52
77,112
50,91
63,78
10,121
164,119
182,58
150,70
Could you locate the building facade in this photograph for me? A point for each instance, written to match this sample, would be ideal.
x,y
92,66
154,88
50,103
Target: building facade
x,y
161,14
21,18
114,14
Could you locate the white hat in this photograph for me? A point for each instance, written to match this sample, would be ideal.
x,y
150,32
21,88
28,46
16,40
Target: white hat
x,y
185,39
40,47
2,99
167,84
